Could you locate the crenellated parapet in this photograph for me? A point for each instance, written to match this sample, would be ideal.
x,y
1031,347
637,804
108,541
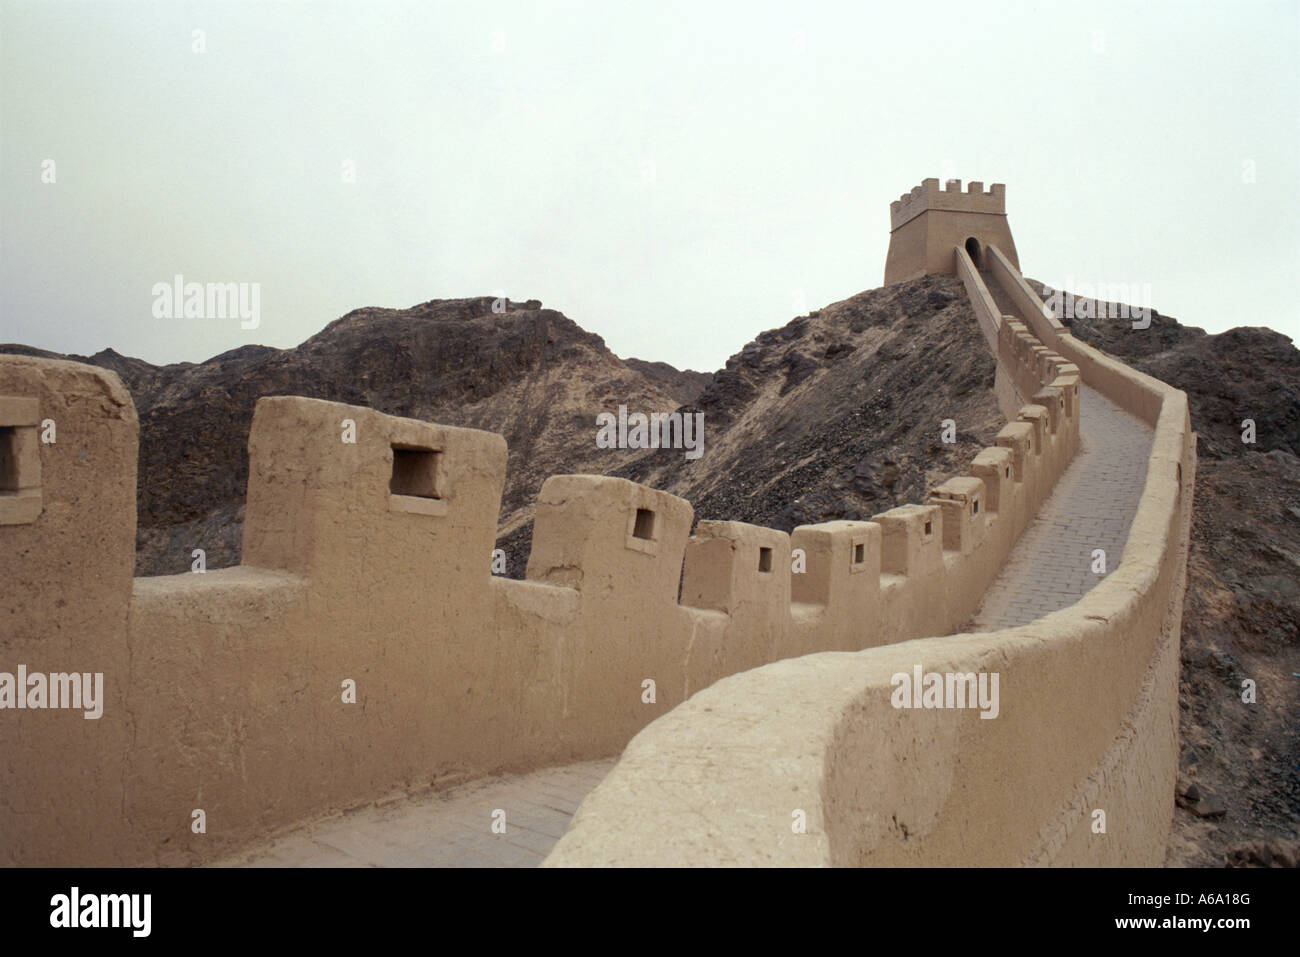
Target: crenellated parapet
x,y
363,644
948,197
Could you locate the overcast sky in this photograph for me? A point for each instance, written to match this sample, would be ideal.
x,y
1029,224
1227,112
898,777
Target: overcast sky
x,y
675,177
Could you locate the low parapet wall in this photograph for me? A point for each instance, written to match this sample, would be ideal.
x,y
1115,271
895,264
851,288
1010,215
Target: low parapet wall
x,y
363,646
986,310
813,762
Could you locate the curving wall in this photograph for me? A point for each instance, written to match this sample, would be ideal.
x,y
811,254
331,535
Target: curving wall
x,y
366,563
808,761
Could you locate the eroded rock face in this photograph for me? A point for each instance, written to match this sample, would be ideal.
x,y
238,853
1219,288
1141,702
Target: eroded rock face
x,y
1241,615
836,415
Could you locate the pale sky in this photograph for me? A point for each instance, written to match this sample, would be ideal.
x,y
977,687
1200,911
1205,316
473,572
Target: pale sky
x,y
675,177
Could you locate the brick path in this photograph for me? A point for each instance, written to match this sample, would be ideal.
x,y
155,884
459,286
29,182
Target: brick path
x,y
1092,506
451,828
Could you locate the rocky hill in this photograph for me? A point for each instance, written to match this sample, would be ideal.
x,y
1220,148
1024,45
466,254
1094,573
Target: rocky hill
x,y
836,415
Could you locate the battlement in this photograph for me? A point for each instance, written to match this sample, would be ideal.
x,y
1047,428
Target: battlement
x,y
367,561
930,195
366,564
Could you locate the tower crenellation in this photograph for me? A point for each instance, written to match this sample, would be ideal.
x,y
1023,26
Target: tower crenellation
x,y
930,195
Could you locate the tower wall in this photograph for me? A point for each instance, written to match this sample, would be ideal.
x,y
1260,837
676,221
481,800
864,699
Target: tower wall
x,y
927,223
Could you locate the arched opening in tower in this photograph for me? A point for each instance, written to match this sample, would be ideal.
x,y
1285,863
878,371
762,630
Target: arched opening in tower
x,y
973,249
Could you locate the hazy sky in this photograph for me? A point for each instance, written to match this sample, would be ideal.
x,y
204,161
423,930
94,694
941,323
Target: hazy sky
x,y
675,177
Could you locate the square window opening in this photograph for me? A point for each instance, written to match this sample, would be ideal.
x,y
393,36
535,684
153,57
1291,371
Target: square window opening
x,y
644,527
859,553
415,472
8,460
929,526
975,507
764,559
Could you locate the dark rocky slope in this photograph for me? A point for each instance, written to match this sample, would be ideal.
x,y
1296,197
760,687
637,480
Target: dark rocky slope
x,y
836,415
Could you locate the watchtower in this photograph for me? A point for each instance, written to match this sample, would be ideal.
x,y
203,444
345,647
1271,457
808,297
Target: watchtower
x,y
925,225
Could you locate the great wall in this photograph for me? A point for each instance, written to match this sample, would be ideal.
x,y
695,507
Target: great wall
x,y
771,736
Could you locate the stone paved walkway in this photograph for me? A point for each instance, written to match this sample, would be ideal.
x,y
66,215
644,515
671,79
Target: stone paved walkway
x,y
1092,506
451,828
